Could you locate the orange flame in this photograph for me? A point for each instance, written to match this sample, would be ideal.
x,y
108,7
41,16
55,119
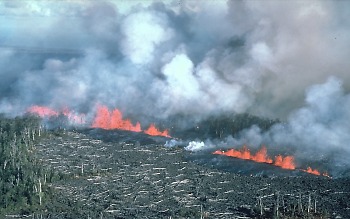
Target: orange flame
x,y
286,162
42,111
261,156
315,172
312,171
104,119
113,120
152,130
244,153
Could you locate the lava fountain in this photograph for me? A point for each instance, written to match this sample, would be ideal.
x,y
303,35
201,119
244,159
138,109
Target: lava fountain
x,y
104,119
154,131
113,120
47,112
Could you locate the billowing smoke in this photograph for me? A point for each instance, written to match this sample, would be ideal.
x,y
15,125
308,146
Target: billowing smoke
x,y
188,59
321,127
191,58
163,59
318,131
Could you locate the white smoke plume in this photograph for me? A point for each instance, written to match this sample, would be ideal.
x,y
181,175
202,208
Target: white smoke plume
x,y
161,59
318,131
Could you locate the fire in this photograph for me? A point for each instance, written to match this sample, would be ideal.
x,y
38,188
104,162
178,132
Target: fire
x,y
260,157
45,112
244,153
284,162
315,172
104,119
42,111
310,170
113,120
152,130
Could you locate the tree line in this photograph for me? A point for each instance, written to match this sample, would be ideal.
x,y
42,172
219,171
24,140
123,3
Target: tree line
x,y
22,177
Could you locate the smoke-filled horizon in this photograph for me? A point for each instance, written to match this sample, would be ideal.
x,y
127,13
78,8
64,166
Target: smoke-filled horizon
x,y
162,59
319,131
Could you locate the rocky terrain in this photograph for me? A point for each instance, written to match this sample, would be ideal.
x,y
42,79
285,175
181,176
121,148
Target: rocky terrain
x,y
117,174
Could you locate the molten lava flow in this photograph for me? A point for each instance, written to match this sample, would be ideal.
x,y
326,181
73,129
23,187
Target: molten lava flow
x,y
244,153
104,119
310,170
45,112
113,120
315,172
42,111
152,130
117,122
261,156
286,162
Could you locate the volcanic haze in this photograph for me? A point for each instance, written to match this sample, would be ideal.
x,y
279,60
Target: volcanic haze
x,y
155,60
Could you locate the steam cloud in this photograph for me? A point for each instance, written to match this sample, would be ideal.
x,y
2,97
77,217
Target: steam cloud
x,y
317,131
163,59
156,59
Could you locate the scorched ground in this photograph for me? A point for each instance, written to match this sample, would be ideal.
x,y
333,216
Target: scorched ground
x,y
120,174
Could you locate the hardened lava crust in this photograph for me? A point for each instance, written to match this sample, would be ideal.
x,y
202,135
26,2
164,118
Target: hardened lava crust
x,y
119,174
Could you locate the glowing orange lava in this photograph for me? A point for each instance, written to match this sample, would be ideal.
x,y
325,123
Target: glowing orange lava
x,y
104,119
113,120
285,162
310,170
152,130
315,172
244,153
42,111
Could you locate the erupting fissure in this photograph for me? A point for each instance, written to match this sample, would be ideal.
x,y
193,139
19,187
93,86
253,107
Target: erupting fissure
x,y
315,172
44,111
113,120
152,130
104,119
284,162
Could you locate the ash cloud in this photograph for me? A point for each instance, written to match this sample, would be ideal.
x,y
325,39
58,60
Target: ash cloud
x,y
157,60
